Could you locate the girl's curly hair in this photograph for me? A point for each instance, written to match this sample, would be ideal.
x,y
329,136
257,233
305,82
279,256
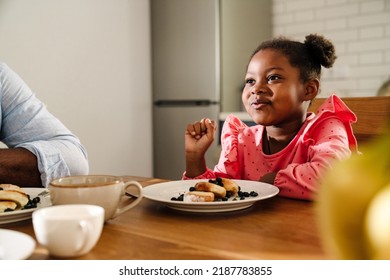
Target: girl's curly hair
x,y
308,57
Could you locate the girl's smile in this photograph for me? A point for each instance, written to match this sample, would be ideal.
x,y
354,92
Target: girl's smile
x,y
258,104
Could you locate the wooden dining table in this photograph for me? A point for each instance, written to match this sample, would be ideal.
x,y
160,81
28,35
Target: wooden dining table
x,y
274,228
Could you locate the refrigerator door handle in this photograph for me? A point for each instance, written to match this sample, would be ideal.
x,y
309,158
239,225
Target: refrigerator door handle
x,y
181,103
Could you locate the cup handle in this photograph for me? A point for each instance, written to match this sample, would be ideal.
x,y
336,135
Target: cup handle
x,y
84,234
133,203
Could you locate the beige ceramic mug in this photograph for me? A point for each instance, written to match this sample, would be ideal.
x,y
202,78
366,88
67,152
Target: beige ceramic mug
x,y
103,190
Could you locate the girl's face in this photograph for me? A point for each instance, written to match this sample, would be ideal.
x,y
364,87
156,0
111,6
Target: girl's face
x,y
273,92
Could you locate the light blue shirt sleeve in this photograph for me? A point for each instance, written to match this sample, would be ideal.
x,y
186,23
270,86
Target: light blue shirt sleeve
x,y
26,122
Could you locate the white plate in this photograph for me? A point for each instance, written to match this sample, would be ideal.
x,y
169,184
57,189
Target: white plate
x,y
21,215
15,245
163,192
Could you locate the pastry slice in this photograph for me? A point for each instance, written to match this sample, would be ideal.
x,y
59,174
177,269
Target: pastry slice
x,y
198,196
20,198
4,205
230,186
210,187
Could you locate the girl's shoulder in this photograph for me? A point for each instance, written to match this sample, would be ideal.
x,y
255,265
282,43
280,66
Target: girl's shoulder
x,y
235,132
233,125
334,106
233,120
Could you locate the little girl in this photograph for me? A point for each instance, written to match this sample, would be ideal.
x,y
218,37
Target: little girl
x,y
289,147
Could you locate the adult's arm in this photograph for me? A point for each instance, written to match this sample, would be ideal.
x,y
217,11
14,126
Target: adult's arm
x,y
26,123
19,167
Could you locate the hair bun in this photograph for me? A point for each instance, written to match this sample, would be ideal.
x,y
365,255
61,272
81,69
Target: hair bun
x,y
321,49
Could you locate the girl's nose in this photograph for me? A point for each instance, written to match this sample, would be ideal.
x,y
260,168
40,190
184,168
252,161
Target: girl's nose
x,y
258,89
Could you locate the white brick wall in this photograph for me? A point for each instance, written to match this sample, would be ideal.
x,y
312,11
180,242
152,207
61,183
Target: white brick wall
x,y
360,31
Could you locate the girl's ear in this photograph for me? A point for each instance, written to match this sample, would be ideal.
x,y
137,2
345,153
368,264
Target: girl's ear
x,y
312,88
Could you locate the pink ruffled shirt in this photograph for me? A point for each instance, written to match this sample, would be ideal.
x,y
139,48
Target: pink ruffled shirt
x,y
323,138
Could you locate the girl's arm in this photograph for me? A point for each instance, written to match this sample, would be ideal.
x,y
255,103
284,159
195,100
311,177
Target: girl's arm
x,y
329,144
198,138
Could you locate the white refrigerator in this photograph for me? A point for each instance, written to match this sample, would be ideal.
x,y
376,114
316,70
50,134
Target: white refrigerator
x,y
185,73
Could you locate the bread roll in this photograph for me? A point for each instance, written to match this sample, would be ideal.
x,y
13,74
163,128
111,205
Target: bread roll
x,y
198,196
210,187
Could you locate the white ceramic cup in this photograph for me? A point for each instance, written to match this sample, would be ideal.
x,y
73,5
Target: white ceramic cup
x,y
103,190
68,230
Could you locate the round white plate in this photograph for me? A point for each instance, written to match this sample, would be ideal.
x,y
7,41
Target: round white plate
x,y
163,192
21,215
15,245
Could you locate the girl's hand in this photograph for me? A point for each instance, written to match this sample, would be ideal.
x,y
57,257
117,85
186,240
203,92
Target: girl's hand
x,y
268,178
199,136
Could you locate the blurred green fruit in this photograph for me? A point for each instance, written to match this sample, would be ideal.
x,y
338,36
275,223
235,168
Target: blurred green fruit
x,y
377,225
345,195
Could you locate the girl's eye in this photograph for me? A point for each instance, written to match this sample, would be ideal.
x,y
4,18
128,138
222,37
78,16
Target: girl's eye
x,y
249,81
273,78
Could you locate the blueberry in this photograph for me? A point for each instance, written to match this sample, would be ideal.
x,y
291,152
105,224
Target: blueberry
x,y
29,206
253,193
